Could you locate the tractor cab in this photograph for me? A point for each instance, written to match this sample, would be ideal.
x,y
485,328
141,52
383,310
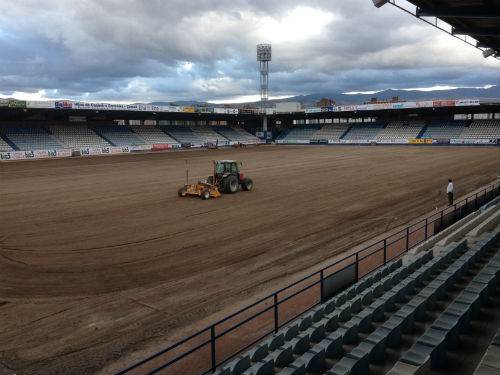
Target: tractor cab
x,y
226,167
228,178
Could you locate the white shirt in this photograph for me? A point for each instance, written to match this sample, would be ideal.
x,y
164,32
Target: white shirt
x,y
449,189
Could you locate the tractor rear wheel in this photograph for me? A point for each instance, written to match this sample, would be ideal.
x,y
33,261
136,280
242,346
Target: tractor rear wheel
x,y
247,184
230,184
205,194
182,192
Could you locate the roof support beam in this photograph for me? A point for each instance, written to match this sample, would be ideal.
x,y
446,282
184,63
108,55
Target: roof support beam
x,y
461,12
493,32
493,45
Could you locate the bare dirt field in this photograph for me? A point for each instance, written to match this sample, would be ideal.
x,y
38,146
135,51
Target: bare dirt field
x,y
101,262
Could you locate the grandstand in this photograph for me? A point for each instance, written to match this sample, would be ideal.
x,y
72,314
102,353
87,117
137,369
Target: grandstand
x,y
118,135
363,131
209,135
31,138
400,130
444,129
236,134
242,136
357,327
330,132
299,134
482,129
152,135
183,134
77,136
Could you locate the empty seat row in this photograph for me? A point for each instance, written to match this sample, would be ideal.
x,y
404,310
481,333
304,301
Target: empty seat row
x,y
300,134
4,146
482,129
363,131
152,135
119,135
444,130
209,135
352,330
331,132
400,130
183,134
77,136
337,318
31,138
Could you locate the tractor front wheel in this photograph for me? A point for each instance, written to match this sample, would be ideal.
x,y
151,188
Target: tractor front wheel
x,y
247,184
230,184
182,192
205,194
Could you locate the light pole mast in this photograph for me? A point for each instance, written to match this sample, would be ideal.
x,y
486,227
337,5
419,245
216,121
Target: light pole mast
x,y
263,57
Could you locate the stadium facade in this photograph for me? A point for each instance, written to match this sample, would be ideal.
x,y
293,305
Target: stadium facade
x,y
45,129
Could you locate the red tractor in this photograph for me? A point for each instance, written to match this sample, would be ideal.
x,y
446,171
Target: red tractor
x,y
228,178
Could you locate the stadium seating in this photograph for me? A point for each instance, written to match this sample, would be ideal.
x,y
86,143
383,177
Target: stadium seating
x,y
330,132
77,136
482,129
183,134
246,137
4,146
236,134
152,135
300,134
400,130
363,131
31,138
444,130
209,135
118,135
356,328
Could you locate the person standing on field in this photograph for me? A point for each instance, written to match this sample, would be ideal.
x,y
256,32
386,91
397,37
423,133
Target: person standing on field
x,y
449,192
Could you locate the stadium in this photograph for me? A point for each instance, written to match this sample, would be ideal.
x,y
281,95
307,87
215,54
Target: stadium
x,y
344,258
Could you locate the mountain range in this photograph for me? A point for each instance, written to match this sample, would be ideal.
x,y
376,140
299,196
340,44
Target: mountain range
x,y
309,100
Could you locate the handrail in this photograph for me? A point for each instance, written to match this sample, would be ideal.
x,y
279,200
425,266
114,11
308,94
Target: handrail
x,y
479,198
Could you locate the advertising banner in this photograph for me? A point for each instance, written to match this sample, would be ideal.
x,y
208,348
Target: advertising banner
x,y
14,103
63,104
400,141
161,146
140,148
313,110
424,141
443,103
188,109
41,154
4,155
466,102
40,104
473,141
4,103
63,153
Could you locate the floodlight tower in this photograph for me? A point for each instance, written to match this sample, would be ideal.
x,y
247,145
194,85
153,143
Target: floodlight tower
x,y
263,57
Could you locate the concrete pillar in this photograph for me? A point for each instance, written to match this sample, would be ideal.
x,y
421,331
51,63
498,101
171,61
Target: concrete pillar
x,y
264,123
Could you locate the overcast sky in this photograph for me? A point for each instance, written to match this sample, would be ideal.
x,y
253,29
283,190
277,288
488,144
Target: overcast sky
x,y
151,50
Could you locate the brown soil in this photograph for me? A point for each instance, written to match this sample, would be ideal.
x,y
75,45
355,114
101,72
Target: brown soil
x,y
101,262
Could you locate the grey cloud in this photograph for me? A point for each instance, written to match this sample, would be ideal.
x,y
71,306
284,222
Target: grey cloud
x,y
133,50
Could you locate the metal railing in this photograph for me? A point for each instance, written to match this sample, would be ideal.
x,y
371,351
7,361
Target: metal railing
x,y
205,350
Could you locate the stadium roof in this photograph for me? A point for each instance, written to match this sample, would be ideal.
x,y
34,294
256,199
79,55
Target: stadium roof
x,y
477,19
